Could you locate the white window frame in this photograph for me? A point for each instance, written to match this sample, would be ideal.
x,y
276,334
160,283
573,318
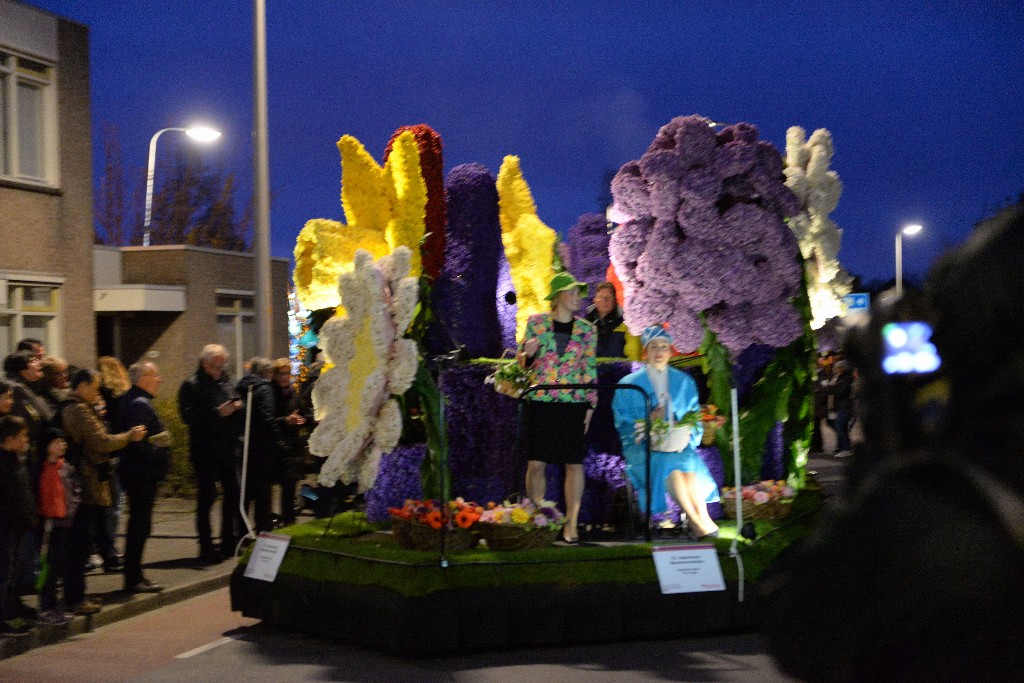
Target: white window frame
x,y
12,76
12,304
240,314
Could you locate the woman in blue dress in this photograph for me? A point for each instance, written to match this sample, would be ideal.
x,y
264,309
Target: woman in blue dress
x,y
682,474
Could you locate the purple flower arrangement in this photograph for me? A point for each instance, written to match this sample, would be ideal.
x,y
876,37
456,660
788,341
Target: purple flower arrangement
x,y
504,300
708,236
397,480
588,250
463,295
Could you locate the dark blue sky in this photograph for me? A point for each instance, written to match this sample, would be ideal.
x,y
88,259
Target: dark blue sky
x,y
924,103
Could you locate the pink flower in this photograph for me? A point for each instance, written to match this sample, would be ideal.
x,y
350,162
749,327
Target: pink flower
x,y
761,497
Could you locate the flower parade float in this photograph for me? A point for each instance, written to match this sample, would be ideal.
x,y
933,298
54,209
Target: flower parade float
x,y
426,284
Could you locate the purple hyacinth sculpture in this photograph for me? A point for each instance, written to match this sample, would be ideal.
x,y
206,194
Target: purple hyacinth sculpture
x,y
588,250
707,235
463,296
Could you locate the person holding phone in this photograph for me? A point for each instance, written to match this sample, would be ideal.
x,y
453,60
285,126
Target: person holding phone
x,y
207,402
559,348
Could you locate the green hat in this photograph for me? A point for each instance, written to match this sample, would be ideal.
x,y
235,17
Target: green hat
x,y
563,281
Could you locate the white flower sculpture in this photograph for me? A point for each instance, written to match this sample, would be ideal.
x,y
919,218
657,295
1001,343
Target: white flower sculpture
x,y
368,362
818,189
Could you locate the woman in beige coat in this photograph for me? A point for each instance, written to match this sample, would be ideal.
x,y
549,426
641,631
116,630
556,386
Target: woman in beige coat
x,y
91,448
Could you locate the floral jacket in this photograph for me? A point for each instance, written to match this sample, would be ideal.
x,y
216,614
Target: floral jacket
x,y
578,365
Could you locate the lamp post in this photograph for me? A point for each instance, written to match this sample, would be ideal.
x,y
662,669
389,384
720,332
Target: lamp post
x,y
197,133
906,230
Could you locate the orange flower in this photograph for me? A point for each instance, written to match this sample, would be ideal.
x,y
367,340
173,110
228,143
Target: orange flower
x,y
433,519
464,519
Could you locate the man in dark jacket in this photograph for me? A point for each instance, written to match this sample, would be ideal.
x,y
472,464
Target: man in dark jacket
x,y
142,467
207,403
265,439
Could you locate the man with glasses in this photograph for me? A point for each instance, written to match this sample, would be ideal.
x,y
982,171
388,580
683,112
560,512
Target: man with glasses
x,y
208,403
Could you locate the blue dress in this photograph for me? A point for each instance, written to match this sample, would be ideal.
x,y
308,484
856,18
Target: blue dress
x,y
629,407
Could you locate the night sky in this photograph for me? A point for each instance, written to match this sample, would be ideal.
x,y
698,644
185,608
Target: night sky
x,y
925,104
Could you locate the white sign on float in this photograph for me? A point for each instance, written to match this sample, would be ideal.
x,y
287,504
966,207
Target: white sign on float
x,y
267,554
688,568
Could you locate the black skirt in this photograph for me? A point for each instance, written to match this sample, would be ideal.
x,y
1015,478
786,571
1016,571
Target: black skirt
x,y
554,432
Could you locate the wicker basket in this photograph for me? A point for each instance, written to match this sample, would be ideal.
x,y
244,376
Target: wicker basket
x,y
508,388
400,528
773,509
423,537
515,536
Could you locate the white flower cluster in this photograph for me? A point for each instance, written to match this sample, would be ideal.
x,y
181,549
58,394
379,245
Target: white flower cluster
x,y
368,363
818,189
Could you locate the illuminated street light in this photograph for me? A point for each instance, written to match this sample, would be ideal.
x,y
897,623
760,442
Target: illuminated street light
x,y
907,230
202,134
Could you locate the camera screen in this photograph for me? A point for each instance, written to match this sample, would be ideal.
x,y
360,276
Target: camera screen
x,y
908,349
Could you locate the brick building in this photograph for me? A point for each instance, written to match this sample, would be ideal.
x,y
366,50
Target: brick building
x,y
46,231
162,303
166,302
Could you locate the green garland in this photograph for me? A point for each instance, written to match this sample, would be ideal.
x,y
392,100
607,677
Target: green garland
x,y
785,392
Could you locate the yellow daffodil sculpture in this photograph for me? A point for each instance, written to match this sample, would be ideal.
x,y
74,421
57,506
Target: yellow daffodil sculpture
x,y
369,363
385,208
529,243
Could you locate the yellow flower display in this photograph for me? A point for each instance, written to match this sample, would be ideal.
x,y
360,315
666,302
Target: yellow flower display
x,y
385,207
407,222
323,251
529,243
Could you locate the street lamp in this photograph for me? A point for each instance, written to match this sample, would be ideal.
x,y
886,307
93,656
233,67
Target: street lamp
x,y
907,230
197,133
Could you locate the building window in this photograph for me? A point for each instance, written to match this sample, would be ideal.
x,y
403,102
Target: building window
x,y
236,328
29,309
27,119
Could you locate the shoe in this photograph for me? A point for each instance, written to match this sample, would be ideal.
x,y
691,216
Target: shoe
x,y
144,586
54,617
843,454
113,564
87,606
94,562
709,536
571,541
210,557
15,628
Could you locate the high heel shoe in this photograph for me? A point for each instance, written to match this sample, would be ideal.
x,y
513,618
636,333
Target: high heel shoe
x,y
570,541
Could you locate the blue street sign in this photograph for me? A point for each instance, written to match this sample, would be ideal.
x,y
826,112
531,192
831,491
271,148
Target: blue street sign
x,y
858,302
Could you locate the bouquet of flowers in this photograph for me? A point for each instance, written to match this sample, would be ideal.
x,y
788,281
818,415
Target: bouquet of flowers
x,y
668,436
509,378
763,500
417,524
520,526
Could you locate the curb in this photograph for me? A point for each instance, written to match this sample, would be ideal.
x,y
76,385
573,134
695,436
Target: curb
x,y
44,634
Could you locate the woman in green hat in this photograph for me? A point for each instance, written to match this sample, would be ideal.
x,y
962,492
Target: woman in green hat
x,y
559,348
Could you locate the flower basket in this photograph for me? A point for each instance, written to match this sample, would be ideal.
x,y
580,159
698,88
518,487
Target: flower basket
x,y
516,536
400,528
424,537
772,510
508,387
508,378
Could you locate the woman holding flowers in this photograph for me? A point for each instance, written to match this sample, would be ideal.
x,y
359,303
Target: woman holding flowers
x,y
559,348
681,473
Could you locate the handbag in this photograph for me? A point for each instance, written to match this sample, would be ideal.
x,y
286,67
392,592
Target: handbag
x,y
676,439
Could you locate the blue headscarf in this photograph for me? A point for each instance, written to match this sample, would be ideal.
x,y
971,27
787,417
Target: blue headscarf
x,y
654,332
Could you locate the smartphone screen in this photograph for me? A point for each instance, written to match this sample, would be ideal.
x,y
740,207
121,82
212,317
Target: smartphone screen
x,y
908,349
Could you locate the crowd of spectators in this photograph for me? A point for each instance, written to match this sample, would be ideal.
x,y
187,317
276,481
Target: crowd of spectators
x,y
80,446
